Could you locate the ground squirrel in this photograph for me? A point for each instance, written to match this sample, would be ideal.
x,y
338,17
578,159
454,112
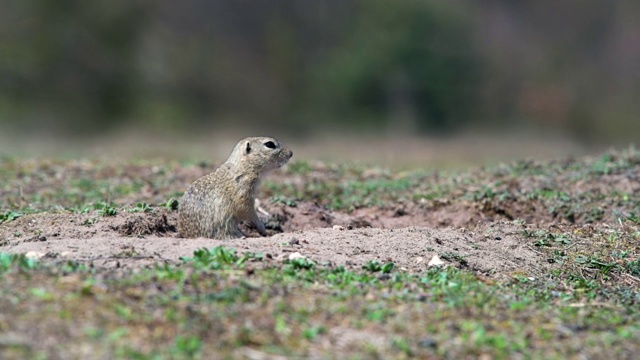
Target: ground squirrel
x,y
213,205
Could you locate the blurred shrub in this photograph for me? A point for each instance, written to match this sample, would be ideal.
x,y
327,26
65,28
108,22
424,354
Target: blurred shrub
x,y
406,66
80,66
68,63
411,66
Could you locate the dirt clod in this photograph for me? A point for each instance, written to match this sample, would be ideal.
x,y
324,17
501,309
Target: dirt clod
x,y
145,224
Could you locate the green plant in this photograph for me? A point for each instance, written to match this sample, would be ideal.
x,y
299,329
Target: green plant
x,y
9,216
141,207
90,221
302,263
219,257
375,266
172,204
105,209
633,267
312,332
283,200
186,346
603,165
7,261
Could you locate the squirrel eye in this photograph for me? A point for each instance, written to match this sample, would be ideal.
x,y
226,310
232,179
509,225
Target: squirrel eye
x,y
270,144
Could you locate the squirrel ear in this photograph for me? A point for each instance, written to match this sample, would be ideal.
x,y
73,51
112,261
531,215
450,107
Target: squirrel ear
x,y
248,148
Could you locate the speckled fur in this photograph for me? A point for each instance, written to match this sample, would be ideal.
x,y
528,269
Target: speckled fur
x,y
216,203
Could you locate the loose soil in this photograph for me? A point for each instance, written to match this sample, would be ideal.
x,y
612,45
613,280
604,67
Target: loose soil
x,y
408,237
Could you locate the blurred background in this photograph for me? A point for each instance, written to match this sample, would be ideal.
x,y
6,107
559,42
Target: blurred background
x,y
371,80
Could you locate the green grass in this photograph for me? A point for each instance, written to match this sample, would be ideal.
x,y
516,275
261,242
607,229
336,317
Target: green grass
x,y
215,303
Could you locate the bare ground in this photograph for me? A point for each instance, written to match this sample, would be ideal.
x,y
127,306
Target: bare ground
x,y
407,237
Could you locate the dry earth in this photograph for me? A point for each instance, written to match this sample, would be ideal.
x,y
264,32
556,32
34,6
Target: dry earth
x,y
407,237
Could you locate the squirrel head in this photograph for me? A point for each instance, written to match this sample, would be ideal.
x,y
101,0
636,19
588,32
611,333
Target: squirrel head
x,y
260,153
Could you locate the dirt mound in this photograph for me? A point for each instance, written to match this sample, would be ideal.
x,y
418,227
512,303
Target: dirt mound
x,y
45,226
147,224
402,236
305,215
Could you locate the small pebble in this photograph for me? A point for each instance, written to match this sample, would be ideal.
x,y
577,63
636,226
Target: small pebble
x,y
34,255
435,261
296,255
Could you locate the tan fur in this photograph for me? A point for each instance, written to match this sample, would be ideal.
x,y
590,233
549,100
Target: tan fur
x,y
216,203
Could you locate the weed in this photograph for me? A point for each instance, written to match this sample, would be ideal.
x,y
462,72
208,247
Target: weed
x,y
633,218
301,263
559,257
8,261
375,266
312,332
283,200
9,216
217,258
141,207
633,267
186,346
105,209
603,165
402,345
72,266
90,221
171,204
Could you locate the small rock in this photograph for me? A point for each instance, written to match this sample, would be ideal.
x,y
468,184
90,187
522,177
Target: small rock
x,y
294,241
34,255
435,261
296,255
419,260
338,227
